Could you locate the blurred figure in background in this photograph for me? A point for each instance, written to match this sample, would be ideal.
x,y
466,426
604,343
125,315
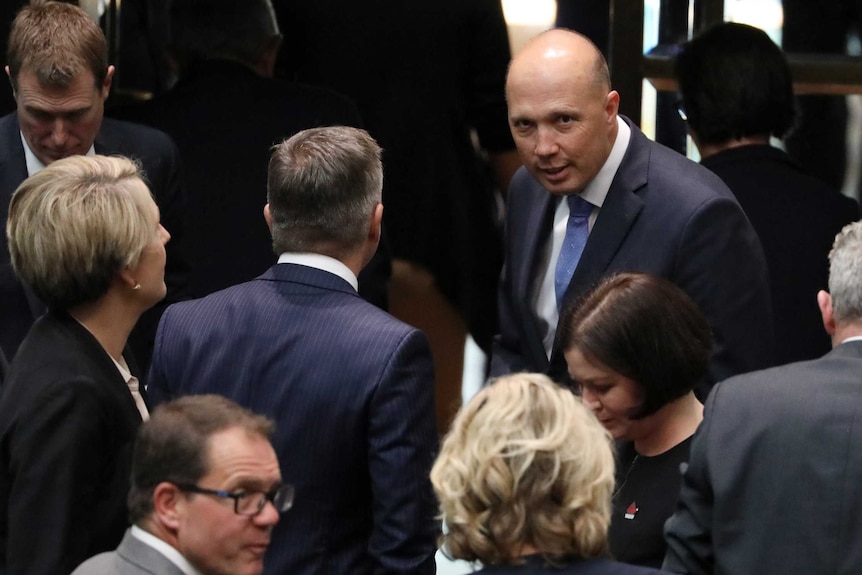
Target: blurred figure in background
x,y
224,54
428,79
737,92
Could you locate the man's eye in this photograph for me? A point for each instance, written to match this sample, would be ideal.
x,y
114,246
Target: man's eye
x,y
566,119
41,116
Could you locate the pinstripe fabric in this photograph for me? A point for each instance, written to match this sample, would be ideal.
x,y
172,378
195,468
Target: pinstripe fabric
x,y
351,390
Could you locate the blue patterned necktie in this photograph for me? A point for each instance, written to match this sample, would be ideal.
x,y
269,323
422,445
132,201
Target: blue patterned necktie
x,y
577,230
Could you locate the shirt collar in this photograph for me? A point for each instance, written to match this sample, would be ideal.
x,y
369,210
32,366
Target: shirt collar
x,y
123,367
165,549
597,190
34,165
321,262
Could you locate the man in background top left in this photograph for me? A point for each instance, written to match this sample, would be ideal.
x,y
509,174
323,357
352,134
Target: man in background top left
x,y
58,67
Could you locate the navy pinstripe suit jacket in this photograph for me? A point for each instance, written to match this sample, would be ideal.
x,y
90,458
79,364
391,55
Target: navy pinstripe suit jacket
x,y
352,392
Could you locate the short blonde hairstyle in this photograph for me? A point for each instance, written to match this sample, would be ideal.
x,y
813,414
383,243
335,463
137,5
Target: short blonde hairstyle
x,y
525,464
75,224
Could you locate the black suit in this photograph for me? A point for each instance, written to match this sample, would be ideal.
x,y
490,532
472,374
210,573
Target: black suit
x,y
796,217
225,120
663,215
772,484
4,367
158,156
67,423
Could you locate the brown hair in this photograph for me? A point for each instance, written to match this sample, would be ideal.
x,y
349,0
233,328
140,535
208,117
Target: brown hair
x,y
645,328
57,42
173,445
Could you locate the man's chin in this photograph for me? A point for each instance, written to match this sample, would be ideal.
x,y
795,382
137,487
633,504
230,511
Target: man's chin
x,y
50,157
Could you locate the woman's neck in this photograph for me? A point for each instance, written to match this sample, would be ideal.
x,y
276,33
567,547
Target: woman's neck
x,y
109,322
669,426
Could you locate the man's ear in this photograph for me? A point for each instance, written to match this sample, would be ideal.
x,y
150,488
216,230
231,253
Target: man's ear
x,y
11,83
824,302
612,106
376,227
268,217
168,505
106,85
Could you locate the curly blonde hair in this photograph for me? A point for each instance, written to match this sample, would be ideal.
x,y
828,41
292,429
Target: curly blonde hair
x,y
524,466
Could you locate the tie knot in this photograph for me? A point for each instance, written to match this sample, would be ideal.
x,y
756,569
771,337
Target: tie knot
x,y
578,206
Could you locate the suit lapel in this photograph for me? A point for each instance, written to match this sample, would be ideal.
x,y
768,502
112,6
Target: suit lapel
x,y
616,217
13,165
538,225
145,558
13,171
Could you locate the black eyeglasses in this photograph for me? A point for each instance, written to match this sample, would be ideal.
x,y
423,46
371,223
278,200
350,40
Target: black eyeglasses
x,y
248,503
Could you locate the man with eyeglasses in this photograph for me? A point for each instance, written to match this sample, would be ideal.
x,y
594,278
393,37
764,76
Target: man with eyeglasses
x,y
206,493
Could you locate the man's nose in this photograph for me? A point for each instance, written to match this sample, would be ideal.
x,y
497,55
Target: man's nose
x,y
59,132
268,516
546,142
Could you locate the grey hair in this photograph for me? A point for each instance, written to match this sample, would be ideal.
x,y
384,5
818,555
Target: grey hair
x,y
845,273
322,188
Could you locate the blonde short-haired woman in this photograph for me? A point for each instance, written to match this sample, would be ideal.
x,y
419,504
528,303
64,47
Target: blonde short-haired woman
x,y
84,236
524,480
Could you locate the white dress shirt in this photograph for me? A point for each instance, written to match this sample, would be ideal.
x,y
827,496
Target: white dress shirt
x,y
545,298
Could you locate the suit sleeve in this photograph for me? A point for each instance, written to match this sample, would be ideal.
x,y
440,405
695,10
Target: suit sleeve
x,y
507,354
57,459
688,532
402,447
722,267
506,357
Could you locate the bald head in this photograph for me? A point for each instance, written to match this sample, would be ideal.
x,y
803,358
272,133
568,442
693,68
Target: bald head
x,y
562,112
569,51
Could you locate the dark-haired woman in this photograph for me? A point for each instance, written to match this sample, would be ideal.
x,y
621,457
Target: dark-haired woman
x,y
636,345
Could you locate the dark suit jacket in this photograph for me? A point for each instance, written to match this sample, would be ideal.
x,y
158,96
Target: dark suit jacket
x,y
4,367
796,218
772,484
158,156
352,392
663,215
536,565
225,119
67,423
132,557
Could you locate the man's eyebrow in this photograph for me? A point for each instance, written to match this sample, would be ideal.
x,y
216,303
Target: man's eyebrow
x,y
254,483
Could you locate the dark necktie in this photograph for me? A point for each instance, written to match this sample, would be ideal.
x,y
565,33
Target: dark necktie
x,y
577,230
